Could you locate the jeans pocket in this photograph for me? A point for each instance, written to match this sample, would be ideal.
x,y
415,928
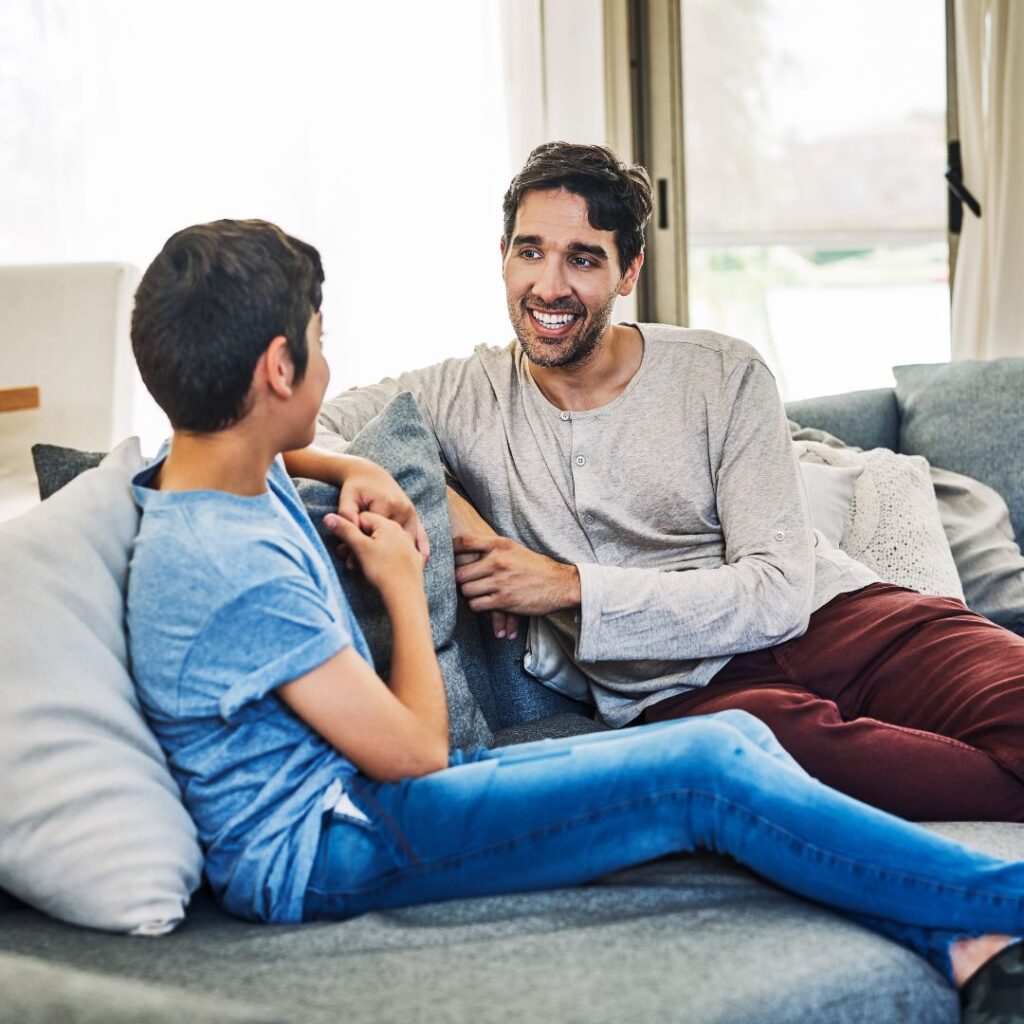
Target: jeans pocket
x,y
355,857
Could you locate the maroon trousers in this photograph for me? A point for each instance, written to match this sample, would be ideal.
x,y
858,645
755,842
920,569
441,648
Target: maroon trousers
x,y
908,702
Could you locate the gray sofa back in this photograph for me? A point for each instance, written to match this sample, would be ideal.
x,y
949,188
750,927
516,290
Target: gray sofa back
x,y
864,419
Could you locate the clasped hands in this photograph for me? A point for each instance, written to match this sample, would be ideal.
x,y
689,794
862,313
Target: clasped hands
x,y
493,573
367,487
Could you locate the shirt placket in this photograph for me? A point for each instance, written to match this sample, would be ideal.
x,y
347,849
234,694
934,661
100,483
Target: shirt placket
x,y
583,465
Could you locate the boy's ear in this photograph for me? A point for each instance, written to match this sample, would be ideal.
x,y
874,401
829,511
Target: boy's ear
x,y
277,367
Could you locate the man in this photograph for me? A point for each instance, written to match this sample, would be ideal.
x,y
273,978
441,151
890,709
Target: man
x,y
650,518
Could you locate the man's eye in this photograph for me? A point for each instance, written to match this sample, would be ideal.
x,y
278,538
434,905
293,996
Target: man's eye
x,y
529,254
582,261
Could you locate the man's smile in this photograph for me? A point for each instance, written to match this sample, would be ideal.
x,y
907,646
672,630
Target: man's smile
x,y
553,325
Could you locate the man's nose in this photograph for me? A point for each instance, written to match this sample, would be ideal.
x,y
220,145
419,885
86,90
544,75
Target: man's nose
x,y
551,284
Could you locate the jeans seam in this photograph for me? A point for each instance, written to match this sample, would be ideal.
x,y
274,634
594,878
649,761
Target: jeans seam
x,y
387,819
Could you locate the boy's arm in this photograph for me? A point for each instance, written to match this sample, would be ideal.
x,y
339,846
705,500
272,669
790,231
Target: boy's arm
x,y
364,487
388,733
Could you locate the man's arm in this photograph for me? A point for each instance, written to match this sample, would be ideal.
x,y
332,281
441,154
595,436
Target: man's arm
x,y
762,593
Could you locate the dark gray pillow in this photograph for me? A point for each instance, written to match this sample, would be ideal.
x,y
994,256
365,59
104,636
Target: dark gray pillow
x,y
968,416
398,439
57,466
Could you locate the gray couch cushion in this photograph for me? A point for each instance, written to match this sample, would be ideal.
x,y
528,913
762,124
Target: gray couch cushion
x,y
863,419
551,728
518,696
690,940
966,416
37,992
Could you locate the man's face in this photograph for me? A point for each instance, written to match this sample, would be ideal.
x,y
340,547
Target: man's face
x,y
561,278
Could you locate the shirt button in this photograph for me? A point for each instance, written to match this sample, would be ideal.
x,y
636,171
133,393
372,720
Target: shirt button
x,y
564,415
588,518
779,534
580,461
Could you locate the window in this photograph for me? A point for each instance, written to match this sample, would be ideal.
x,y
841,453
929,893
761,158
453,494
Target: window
x,y
814,149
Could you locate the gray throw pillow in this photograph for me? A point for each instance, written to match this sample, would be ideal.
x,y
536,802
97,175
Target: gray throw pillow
x,y
92,829
398,439
977,525
968,417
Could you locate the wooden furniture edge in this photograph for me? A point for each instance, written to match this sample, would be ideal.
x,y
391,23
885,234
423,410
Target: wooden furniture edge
x,y
15,399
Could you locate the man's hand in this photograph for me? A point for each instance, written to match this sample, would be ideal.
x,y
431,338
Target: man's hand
x,y
366,487
510,578
466,520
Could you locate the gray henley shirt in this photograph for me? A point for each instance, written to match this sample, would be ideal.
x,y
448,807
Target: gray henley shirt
x,y
680,503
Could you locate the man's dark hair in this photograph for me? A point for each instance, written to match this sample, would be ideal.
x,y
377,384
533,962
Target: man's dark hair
x,y
618,195
206,310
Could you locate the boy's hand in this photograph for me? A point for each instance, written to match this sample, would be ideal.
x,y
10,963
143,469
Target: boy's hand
x,y
369,488
384,551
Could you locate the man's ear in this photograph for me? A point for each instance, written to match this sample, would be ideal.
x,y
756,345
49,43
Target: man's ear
x,y
276,366
502,246
629,278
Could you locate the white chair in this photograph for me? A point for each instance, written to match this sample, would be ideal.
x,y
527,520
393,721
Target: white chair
x,y
64,330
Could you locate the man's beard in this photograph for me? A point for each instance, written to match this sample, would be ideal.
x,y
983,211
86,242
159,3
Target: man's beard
x,y
578,348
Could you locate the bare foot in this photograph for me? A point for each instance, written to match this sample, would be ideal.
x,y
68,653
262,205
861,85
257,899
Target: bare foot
x,y
967,955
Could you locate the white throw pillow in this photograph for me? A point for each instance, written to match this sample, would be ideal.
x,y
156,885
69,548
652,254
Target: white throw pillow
x,y
893,526
829,496
92,829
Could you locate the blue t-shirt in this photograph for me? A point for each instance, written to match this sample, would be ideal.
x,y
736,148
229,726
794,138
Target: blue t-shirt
x,y
228,598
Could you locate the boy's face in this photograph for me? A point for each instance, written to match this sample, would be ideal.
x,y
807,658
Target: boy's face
x,y
310,392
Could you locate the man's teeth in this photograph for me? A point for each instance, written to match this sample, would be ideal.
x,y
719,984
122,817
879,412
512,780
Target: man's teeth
x,y
553,319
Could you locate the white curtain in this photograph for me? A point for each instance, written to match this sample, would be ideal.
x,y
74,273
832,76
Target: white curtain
x,y
988,291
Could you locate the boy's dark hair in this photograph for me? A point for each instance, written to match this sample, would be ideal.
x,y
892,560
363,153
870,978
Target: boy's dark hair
x,y
207,308
618,195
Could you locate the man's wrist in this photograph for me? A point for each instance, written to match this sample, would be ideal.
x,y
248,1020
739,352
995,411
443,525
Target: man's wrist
x,y
572,590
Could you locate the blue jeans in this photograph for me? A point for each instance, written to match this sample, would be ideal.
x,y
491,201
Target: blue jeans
x,y
560,812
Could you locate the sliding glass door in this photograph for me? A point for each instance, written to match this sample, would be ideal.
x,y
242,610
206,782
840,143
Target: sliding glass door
x,y
814,146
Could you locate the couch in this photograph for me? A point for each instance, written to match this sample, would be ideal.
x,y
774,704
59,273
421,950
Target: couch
x,y
694,939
